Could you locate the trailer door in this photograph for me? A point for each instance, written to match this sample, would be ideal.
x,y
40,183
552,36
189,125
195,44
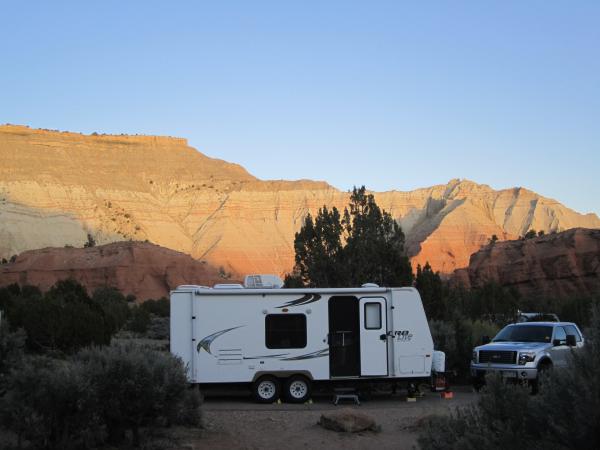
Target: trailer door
x,y
373,339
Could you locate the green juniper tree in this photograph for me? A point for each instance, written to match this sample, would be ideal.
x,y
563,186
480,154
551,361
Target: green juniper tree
x,y
318,247
365,244
429,284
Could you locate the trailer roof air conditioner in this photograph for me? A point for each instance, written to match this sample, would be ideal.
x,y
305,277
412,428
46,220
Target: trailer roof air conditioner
x,y
228,286
263,282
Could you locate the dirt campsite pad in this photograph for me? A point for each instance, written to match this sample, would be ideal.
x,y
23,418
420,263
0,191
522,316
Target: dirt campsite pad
x,y
238,423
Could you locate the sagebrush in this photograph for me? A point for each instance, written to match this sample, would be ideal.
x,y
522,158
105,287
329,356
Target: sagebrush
x,y
99,395
564,415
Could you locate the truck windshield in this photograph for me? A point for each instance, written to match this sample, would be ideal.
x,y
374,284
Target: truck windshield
x,y
524,333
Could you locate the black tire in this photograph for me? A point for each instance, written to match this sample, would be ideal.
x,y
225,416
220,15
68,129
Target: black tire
x,y
543,367
266,389
297,389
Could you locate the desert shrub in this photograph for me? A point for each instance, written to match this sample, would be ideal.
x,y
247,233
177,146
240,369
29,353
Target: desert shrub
x,y
457,338
160,307
13,300
65,319
50,404
12,345
139,387
564,415
91,242
568,407
158,328
498,421
114,305
139,320
96,396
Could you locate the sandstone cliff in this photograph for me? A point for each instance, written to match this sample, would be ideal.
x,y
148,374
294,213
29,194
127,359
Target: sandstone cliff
x,y
142,269
57,187
558,265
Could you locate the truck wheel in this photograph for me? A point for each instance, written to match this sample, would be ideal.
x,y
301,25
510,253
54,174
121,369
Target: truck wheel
x,y
542,368
297,389
266,389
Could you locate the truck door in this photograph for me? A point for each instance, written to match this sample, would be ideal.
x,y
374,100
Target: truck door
x,y
373,339
560,351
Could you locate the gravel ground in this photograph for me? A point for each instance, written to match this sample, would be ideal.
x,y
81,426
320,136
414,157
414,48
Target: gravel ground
x,y
238,423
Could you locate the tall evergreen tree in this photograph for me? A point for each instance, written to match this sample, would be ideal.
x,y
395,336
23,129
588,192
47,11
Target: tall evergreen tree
x,y
366,244
318,247
374,244
429,284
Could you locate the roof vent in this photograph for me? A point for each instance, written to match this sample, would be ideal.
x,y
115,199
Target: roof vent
x,y
228,286
370,285
263,282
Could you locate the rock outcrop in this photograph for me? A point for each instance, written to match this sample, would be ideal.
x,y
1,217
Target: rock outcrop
x,y
561,265
142,269
348,420
55,188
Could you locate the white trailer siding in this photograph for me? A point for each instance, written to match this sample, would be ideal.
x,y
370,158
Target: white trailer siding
x,y
240,352
220,334
412,342
181,327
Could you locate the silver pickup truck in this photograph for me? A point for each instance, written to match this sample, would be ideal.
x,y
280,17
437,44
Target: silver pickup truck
x,y
522,350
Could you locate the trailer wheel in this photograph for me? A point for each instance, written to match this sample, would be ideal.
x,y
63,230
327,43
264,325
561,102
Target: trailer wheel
x,y
297,389
266,389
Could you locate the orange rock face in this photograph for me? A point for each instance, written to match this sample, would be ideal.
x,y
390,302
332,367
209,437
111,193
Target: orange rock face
x,y
142,269
55,188
559,265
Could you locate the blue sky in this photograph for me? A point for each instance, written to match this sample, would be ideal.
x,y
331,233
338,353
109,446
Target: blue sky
x,y
390,94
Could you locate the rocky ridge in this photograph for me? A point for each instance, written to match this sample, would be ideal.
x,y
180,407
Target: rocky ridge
x,y
142,269
55,188
560,265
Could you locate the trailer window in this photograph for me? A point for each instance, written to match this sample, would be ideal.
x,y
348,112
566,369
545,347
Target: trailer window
x,y
285,330
372,316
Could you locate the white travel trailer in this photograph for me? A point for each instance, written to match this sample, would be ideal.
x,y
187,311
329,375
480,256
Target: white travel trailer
x,y
287,339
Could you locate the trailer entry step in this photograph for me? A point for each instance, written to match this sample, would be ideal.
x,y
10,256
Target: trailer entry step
x,y
345,394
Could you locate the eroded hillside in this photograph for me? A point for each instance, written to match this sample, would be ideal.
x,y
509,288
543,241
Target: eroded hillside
x,y
55,188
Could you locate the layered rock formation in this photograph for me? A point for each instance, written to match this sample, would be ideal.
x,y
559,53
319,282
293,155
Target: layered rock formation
x,y
55,188
561,265
142,269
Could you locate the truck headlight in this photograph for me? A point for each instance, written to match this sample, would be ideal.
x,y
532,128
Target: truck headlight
x,y
474,357
525,357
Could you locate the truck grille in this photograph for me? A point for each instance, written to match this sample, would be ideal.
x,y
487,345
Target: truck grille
x,y
497,357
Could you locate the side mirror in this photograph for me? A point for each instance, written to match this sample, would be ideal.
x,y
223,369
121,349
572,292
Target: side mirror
x,y
571,341
485,340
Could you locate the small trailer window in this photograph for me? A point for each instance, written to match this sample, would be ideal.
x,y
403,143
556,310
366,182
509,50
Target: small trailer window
x,y
372,316
285,330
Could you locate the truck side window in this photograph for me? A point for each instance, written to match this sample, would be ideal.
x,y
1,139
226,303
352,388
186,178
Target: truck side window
x,y
372,316
285,331
570,329
560,335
